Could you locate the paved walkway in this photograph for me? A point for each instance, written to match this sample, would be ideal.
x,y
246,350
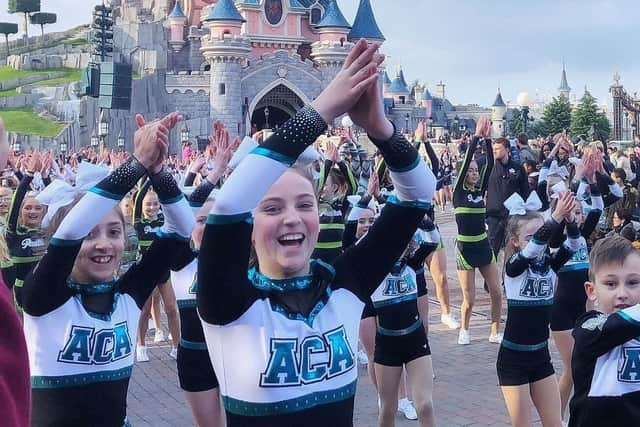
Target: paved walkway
x,y
466,391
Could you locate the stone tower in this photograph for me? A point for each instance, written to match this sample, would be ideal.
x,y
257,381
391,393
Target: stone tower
x,y
333,48
177,22
564,88
226,50
498,114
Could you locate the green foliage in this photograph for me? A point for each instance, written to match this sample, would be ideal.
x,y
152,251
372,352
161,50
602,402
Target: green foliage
x,y
516,124
9,73
587,119
43,18
8,93
24,6
556,117
25,121
8,28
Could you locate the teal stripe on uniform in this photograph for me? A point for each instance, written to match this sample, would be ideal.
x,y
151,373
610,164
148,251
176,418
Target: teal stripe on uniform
x,y
176,236
523,347
391,301
187,303
80,379
406,168
173,199
274,155
520,303
214,219
400,332
107,194
193,345
582,265
409,204
628,318
241,407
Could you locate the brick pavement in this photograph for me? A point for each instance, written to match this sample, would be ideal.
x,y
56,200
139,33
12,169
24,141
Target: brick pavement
x,y
466,391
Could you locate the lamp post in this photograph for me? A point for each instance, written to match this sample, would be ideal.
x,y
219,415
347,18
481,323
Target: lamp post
x,y
103,127
95,141
456,126
17,146
120,142
63,148
505,126
406,121
429,123
185,134
524,101
266,118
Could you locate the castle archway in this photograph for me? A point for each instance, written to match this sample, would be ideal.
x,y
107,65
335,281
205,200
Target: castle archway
x,y
279,101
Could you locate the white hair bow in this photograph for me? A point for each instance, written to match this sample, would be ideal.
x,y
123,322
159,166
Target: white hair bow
x,y
555,170
59,194
517,206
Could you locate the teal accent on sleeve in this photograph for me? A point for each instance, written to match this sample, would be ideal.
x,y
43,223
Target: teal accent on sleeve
x,y
409,204
214,219
164,235
274,155
173,199
406,168
107,194
193,345
628,318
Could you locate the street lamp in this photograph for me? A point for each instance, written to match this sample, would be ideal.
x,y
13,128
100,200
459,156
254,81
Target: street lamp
x,y
406,120
94,140
524,101
17,146
184,134
63,148
429,123
456,126
266,118
505,126
120,142
103,127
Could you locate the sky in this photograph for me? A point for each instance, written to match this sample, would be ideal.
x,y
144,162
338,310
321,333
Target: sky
x,y
474,46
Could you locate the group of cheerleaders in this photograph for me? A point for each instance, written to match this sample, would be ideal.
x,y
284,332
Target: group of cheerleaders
x,y
271,282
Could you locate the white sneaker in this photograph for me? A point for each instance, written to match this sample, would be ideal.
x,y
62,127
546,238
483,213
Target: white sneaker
x,y
406,407
447,319
362,358
169,337
159,337
495,338
141,354
463,337
174,353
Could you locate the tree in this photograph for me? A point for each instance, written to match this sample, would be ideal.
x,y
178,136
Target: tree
x,y
588,119
516,123
7,28
556,117
26,7
42,19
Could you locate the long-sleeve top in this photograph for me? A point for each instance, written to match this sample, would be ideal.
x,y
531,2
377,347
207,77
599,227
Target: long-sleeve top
x,y
276,325
606,369
146,228
468,203
81,336
504,180
530,282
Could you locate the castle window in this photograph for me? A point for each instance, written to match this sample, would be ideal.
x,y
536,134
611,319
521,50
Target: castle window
x,y
342,40
316,14
402,100
222,89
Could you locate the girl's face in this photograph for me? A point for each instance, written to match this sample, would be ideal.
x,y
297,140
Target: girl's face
x,y
286,226
330,188
546,150
150,206
201,221
617,222
473,176
579,214
5,200
31,213
366,220
101,251
526,231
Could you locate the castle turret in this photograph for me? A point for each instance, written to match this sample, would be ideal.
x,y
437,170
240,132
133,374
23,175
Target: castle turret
x,y
440,90
333,48
226,50
498,114
427,102
365,25
177,22
386,82
417,94
398,88
564,88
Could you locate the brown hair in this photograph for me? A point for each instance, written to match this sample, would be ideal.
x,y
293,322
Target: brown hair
x,y
502,141
610,250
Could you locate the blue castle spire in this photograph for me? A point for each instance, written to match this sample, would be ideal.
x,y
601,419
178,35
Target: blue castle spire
x,y
177,11
333,17
365,25
224,10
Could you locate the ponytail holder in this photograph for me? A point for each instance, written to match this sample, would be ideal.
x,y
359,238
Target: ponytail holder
x,y
517,206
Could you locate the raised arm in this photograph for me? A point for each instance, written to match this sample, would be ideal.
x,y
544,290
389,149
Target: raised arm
x,y
596,333
488,166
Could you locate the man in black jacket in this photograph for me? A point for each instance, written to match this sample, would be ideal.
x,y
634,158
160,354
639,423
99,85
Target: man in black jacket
x,y
507,177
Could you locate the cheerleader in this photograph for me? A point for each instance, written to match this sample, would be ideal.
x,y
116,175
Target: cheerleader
x,y
283,340
79,320
524,365
473,250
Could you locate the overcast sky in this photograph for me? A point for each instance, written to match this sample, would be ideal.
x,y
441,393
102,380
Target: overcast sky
x,y
476,45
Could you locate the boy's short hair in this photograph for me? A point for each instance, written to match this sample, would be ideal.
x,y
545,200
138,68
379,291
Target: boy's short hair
x,y
610,250
502,141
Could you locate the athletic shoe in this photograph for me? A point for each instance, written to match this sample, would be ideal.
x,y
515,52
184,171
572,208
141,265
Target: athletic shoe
x,y
495,338
463,337
169,337
141,354
159,337
406,407
447,319
174,353
362,358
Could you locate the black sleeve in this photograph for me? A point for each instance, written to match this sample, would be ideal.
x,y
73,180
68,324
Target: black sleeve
x,y
46,181
433,158
590,223
325,168
201,193
424,250
349,235
45,288
596,333
563,254
16,203
603,183
519,262
468,157
137,203
523,189
541,189
189,179
486,171
363,266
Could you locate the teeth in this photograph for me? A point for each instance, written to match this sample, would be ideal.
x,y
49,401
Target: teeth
x,y
291,237
101,259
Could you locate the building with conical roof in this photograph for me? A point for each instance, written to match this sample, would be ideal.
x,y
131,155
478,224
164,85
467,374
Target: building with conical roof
x,y
365,25
564,88
498,116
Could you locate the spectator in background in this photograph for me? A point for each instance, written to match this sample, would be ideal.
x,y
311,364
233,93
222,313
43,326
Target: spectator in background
x,y
629,200
623,162
526,153
622,225
531,169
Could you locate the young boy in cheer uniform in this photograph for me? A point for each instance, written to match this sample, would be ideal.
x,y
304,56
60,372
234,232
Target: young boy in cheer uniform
x,y
606,356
